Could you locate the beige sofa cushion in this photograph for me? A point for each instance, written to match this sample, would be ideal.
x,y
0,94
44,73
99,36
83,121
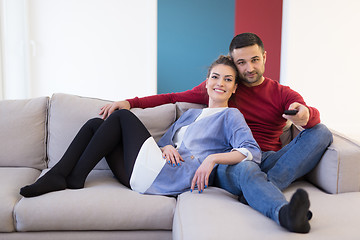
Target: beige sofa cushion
x,y
216,214
23,132
339,169
11,180
104,204
182,107
68,113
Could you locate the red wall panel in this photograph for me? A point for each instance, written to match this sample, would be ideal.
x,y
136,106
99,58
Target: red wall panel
x,y
264,18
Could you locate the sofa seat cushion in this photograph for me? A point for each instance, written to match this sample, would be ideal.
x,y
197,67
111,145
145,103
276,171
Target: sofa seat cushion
x,y
221,216
103,204
23,132
11,180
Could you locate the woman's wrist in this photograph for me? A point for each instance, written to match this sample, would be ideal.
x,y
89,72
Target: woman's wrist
x,y
212,158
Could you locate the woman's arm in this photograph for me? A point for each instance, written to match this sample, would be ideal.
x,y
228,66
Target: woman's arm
x,y
201,177
243,144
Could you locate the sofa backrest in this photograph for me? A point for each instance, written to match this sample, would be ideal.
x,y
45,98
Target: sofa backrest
x,y
68,113
33,131
23,133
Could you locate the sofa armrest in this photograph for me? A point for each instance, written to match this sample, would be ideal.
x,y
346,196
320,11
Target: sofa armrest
x,y
339,169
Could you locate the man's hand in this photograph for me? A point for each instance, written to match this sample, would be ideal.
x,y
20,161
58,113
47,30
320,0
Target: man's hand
x,y
171,155
201,177
302,117
111,107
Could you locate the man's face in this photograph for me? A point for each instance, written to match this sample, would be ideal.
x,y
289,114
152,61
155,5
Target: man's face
x,y
250,61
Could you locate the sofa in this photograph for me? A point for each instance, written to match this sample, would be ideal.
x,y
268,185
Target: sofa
x,y
34,133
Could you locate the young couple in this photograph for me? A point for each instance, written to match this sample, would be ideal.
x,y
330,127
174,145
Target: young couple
x,y
230,158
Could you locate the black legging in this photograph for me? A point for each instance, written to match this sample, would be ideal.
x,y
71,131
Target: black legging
x,y
118,139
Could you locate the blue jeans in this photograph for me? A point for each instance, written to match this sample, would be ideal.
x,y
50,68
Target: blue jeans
x,y
262,184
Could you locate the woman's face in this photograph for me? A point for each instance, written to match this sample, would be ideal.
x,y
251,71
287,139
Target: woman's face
x,y
221,85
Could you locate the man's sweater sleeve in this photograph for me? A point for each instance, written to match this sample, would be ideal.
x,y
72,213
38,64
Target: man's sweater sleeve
x,y
314,117
196,95
293,96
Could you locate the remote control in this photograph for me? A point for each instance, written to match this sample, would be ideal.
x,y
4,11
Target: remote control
x,y
291,112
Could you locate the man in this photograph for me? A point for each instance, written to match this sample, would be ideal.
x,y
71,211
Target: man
x,y
262,101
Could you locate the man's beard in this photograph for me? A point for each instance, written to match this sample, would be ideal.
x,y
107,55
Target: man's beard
x,y
251,80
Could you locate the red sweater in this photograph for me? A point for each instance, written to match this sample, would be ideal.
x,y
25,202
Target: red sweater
x,y
262,107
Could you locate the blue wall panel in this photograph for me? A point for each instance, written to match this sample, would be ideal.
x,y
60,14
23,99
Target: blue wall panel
x,y
191,34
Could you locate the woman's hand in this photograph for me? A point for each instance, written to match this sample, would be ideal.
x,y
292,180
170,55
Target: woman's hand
x,y
201,177
171,155
111,107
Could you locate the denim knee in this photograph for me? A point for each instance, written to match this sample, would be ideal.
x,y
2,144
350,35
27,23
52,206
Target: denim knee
x,y
231,177
323,135
247,170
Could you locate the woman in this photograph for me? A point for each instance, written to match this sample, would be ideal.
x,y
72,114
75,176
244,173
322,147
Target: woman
x,y
182,160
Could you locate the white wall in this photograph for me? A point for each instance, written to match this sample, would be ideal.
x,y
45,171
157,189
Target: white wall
x,y
13,49
320,58
97,48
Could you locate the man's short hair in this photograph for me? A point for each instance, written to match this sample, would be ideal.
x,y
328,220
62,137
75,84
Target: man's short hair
x,y
245,40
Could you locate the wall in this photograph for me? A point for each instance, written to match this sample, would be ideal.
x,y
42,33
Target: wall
x,y
119,48
97,48
191,35
263,17
1,59
13,81
320,57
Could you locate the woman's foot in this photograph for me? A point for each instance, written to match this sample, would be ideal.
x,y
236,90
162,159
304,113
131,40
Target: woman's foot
x,y
74,182
50,182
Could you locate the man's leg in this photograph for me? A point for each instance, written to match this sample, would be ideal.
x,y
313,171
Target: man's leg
x,y
297,158
246,178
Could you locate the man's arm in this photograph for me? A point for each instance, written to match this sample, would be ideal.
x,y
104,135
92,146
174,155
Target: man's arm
x,y
314,117
196,95
307,117
111,107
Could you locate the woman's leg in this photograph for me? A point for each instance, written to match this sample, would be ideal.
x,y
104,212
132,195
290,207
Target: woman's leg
x,y
134,135
55,178
119,139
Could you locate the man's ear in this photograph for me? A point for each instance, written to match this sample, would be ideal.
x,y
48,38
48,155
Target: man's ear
x,y
264,57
